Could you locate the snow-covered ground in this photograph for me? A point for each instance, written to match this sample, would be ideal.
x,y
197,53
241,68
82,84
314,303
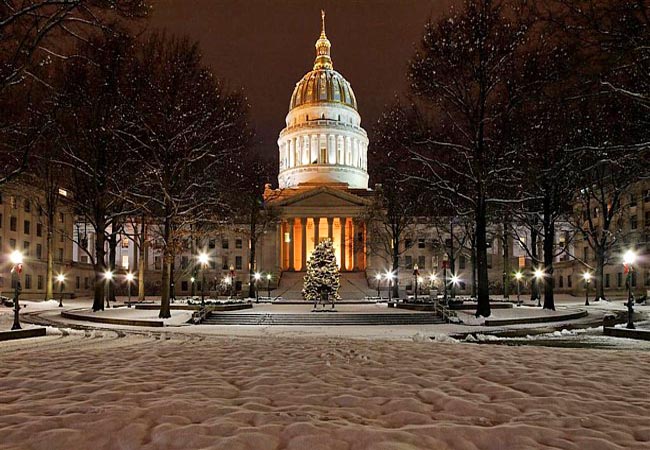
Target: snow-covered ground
x,y
101,390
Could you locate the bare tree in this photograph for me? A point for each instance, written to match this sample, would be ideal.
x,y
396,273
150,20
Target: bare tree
x,y
184,133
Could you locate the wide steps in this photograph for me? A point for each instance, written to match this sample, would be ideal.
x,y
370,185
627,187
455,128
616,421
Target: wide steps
x,y
322,319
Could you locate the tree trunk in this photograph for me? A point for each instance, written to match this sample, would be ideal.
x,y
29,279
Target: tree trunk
x,y
534,288
506,257
251,256
483,297
165,311
452,260
600,274
99,266
474,266
549,248
142,260
395,269
112,254
49,244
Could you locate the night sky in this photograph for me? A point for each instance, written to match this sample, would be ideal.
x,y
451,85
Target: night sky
x,y
265,47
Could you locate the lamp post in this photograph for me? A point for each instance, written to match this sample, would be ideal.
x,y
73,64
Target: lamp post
x,y
129,280
389,277
203,261
192,281
378,280
257,277
268,283
416,275
629,258
232,281
16,258
518,277
108,276
455,281
539,275
61,279
587,279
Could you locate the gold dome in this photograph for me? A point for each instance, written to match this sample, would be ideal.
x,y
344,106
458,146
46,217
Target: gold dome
x,y
323,84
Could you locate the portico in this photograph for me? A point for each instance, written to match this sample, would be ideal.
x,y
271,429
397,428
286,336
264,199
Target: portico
x,y
299,236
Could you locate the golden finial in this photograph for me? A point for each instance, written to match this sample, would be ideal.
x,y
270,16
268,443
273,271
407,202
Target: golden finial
x,y
323,59
322,18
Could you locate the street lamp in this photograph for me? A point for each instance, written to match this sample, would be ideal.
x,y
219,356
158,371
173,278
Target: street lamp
x,y
539,275
629,258
433,281
518,277
416,275
16,258
108,276
455,280
587,279
129,280
378,279
61,279
257,277
268,283
389,277
203,261
232,281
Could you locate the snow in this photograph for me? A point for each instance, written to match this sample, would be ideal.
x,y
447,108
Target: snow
x,y
100,390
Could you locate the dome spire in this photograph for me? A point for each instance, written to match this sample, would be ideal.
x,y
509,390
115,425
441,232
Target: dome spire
x,y
323,45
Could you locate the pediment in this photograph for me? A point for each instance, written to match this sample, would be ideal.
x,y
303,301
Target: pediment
x,y
324,197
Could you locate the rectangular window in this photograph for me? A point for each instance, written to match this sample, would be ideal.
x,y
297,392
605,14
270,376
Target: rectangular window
x,y
408,243
238,243
184,285
408,262
569,281
27,226
61,236
647,278
212,243
61,217
421,243
13,202
125,242
560,280
157,263
224,262
224,243
462,261
39,281
632,200
647,219
78,282
28,206
585,254
633,223
60,254
0,220
39,229
184,262
422,262
26,248
125,261
238,262
28,281
646,196
12,244
619,279
86,283
607,282
13,224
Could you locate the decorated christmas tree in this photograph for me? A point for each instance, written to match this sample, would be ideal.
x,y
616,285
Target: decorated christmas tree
x,y
322,274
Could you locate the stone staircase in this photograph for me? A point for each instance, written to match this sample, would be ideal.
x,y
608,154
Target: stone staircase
x,y
354,286
322,319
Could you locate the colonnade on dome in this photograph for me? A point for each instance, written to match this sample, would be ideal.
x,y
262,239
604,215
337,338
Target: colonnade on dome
x,y
299,236
307,149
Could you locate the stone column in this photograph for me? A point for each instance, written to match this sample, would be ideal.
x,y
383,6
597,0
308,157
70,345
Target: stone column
x,y
303,226
330,226
316,224
343,234
291,224
280,241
